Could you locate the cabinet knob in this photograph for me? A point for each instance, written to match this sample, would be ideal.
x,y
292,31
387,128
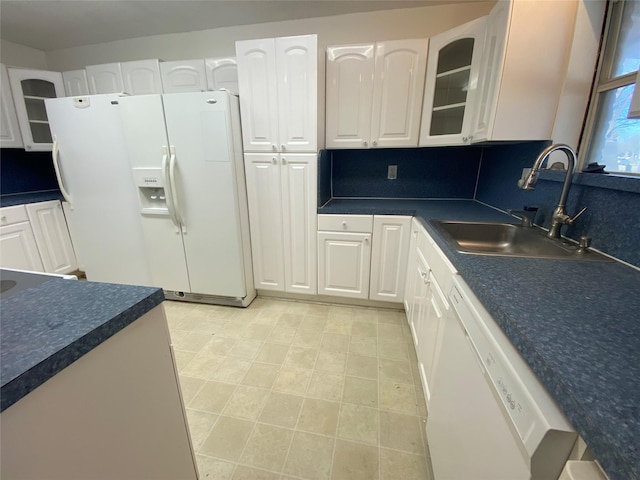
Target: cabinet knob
x,y
344,224
366,144
465,139
274,160
3,218
284,161
274,148
283,147
375,143
366,239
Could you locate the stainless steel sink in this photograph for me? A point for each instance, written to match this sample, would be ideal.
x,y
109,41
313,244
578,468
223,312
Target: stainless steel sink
x,y
505,239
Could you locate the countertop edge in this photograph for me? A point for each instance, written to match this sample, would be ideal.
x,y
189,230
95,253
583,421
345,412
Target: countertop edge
x,y
17,388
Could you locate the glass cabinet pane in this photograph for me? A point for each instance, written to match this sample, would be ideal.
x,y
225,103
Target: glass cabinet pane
x,y
627,52
447,121
38,88
41,133
451,89
36,109
455,55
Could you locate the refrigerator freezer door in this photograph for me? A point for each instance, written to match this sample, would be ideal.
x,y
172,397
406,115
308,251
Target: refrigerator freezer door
x,y
93,162
199,128
146,139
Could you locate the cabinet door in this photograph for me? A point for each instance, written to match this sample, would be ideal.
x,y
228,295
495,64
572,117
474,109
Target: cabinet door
x,y
391,235
52,237
432,318
419,272
258,94
264,195
344,264
222,73
397,92
141,77
105,78
490,71
297,84
75,83
349,87
299,197
30,88
183,76
19,249
451,84
9,129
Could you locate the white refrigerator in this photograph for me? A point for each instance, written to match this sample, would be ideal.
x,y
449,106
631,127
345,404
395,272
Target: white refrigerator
x,y
187,167
95,178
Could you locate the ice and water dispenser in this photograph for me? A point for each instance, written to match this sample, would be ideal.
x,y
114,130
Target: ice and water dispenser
x,y
151,189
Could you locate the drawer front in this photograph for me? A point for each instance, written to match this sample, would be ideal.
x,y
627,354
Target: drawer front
x,y
15,214
346,223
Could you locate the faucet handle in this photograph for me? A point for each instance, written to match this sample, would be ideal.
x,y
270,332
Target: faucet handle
x,y
571,220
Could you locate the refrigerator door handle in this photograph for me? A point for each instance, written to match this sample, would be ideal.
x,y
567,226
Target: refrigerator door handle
x,y
167,189
174,188
55,153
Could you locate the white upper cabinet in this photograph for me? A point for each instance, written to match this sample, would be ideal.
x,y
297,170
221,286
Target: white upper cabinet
x,y
141,77
277,81
9,129
183,76
374,94
222,73
350,71
75,83
523,70
451,84
106,78
397,92
30,88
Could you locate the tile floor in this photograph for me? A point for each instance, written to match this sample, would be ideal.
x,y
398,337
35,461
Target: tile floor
x,y
292,390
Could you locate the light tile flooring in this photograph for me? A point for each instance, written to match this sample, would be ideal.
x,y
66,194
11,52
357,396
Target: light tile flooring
x,y
292,390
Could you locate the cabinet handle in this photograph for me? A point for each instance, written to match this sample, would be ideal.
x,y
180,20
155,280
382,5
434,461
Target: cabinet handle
x,y
344,225
464,139
375,143
366,144
284,161
366,240
274,148
274,160
283,147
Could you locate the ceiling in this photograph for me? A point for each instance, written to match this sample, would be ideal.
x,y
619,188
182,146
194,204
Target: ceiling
x,y
50,25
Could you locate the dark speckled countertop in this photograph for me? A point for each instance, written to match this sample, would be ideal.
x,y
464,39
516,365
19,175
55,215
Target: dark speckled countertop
x,y
577,325
48,326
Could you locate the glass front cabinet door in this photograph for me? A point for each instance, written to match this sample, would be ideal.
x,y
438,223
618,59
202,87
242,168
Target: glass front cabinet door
x,y
30,89
451,84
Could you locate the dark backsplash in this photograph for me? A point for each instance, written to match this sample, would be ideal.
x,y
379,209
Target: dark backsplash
x,y
26,172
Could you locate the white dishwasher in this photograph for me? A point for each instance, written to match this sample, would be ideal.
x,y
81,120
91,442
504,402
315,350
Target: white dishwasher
x,y
490,418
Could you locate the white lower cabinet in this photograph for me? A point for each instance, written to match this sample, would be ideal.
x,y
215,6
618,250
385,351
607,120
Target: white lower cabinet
x,y
35,237
18,245
281,191
344,261
363,256
52,237
429,277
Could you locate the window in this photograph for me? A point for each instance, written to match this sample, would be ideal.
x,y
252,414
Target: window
x,y
611,138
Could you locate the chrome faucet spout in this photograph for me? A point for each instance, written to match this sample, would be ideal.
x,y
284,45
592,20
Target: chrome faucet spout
x,y
560,216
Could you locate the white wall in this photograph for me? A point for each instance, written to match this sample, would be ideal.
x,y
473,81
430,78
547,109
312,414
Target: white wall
x,y
358,27
16,55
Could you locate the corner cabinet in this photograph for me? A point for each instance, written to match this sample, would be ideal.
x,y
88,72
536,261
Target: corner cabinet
x,y
9,128
374,94
451,84
278,84
282,192
30,88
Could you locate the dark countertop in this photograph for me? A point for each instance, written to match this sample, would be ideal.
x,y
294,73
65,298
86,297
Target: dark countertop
x,y
47,326
577,325
30,197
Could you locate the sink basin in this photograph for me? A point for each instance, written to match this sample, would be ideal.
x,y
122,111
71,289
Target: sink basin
x,y
505,239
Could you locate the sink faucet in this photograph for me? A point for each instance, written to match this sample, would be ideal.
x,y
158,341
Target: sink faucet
x,y
560,216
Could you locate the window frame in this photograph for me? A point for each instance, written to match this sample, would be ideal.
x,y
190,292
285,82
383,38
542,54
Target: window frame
x,y
603,82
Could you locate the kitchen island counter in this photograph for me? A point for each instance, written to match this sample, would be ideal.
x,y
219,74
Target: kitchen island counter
x,y
575,323
49,326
